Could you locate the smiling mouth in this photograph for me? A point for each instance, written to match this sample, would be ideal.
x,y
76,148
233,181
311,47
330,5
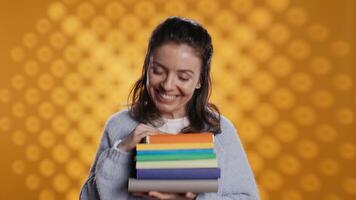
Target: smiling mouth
x,y
165,97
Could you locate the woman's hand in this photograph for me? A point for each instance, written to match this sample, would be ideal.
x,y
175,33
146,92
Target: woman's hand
x,y
135,137
153,195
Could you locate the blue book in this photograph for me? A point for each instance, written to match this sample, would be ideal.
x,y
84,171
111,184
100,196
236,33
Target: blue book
x,y
179,173
179,151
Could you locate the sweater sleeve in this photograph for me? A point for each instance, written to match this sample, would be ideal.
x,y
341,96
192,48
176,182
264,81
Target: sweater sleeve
x,y
109,173
237,181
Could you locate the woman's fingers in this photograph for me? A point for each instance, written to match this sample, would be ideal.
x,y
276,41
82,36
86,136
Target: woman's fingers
x,y
190,195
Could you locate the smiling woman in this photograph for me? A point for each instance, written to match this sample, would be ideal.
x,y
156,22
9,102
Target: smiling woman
x,y
170,97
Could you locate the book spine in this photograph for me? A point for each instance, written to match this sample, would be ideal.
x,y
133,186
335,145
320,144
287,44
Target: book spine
x,y
174,157
169,164
180,138
190,173
174,146
178,151
178,186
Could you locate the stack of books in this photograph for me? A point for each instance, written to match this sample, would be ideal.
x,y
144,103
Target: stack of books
x,y
176,163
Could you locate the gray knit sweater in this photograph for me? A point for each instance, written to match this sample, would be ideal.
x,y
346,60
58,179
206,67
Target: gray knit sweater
x,y
108,176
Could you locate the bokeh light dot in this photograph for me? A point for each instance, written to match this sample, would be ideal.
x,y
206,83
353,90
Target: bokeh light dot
x,y
340,48
18,109
268,147
31,68
46,138
347,151
43,26
85,10
288,164
249,130
100,25
299,49
74,139
242,6
47,167
57,11
304,115
266,114
72,54
317,32
278,33
329,167
71,25
47,194
18,166
32,181
60,153
345,116
75,169
277,5
146,8
271,180
261,50
260,18
45,81
342,82
18,138
296,16
60,124
30,40
283,98
301,82
307,148
17,54
114,10
322,98
207,7
325,132
59,96
46,110
32,95
263,82
291,194
61,183
33,152
32,124
349,185
310,182
58,40
18,81
280,66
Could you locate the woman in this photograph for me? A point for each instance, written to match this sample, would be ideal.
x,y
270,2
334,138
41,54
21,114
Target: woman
x,y
171,97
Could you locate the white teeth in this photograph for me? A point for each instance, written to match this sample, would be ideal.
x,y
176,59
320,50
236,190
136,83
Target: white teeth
x,y
167,96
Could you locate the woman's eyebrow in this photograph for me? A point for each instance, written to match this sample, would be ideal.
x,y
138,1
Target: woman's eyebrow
x,y
180,70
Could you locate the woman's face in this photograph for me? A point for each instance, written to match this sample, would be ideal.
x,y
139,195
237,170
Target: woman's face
x,y
173,76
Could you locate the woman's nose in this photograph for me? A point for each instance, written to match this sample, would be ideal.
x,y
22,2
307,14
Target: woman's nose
x,y
168,83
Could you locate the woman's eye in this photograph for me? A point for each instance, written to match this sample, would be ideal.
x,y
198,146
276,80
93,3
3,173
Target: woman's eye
x,y
157,70
184,78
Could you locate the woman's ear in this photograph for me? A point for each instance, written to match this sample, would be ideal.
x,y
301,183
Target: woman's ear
x,y
198,85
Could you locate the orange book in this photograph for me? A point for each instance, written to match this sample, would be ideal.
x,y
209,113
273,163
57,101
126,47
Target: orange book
x,y
180,138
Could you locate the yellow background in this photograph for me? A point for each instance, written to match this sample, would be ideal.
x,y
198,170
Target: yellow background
x,y
283,72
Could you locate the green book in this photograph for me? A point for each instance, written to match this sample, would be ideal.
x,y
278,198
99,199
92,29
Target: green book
x,y
175,157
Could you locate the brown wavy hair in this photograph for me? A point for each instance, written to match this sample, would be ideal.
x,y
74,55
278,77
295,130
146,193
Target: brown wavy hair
x,y
203,116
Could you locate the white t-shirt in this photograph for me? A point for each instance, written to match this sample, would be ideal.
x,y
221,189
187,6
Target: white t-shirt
x,y
174,126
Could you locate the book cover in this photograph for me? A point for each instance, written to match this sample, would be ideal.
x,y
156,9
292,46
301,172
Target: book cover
x,y
174,146
176,151
180,138
179,173
179,186
204,163
159,157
